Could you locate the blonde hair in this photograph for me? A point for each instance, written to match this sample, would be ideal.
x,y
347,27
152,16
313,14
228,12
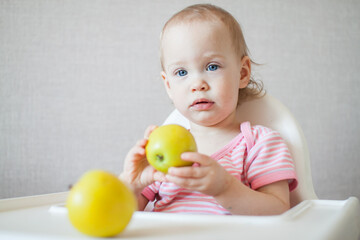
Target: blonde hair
x,y
208,12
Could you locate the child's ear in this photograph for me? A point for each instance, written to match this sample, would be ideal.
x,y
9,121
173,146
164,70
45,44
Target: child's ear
x,y
245,72
166,83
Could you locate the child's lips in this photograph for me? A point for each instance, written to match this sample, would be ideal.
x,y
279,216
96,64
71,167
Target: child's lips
x,y
202,104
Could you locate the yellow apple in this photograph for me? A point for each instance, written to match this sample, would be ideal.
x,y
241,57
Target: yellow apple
x,y
100,205
166,144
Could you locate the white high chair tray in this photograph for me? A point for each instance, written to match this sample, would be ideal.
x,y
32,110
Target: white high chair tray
x,y
44,217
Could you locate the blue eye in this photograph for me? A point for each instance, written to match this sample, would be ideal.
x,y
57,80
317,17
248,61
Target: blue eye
x,y
212,67
181,73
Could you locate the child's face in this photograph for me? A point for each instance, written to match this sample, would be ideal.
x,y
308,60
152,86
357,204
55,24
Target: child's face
x,y
202,72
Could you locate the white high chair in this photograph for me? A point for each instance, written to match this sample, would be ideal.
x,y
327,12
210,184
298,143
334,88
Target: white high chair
x,y
270,112
45,216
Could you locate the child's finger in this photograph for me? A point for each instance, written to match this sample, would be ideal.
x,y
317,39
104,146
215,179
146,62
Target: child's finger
x,y
198,158
148,131
141,143
189,183
139,151
159,176
186,172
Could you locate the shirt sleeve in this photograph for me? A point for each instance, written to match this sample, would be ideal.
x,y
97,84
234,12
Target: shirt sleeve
x,y
151,191
269,160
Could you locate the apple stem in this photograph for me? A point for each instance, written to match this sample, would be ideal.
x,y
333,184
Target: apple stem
x,y
160,157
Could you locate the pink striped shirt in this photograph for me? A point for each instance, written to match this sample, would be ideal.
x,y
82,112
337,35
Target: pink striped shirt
x,y
258,156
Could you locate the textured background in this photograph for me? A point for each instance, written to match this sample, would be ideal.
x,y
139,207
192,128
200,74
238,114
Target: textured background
x,y
79,83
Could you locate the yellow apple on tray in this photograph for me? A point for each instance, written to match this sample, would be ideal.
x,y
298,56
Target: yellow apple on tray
x,y
100,205
166,144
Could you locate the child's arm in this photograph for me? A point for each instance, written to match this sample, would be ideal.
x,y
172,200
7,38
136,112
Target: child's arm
x,y
137,173
271,199
212,179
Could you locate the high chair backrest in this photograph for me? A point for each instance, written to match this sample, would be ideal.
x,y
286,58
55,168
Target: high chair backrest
x,y
270,112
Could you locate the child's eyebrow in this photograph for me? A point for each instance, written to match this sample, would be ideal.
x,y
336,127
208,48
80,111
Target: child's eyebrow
x,y
213,55
175,64
206,55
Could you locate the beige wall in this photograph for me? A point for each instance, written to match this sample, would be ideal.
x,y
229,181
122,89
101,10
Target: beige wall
x,y
79,82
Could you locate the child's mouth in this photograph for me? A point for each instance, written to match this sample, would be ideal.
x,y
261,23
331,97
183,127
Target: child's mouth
x,y
202,104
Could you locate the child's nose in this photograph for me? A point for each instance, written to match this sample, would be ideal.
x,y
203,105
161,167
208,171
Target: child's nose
x,y
199,85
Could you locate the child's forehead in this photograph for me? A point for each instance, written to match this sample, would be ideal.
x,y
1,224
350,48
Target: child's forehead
x,y
211,22
196,35
196,41
194,28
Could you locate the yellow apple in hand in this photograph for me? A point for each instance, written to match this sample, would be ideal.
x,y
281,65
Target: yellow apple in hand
x,y
100,205
166,144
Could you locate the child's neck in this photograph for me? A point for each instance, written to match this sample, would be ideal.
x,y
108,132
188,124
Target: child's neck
x,y
210,139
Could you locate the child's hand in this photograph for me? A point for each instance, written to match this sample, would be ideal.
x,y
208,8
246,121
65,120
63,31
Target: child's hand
x,y
137,172
207,176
